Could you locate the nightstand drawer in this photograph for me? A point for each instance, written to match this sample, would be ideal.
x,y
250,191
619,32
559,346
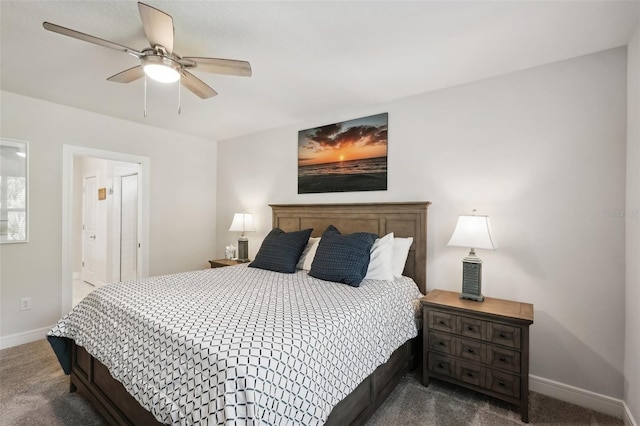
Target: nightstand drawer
x,y
503,334
471,373
442,365
442,342
470,327
472,350
503,358
441,321
504,383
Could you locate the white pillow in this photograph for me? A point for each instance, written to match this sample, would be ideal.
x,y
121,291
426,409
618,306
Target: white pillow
x,y
380,262
401,248
309,252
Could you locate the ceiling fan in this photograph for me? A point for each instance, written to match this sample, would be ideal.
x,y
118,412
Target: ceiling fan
x,y
159,62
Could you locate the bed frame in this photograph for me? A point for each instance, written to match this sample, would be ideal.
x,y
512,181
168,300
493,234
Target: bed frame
x,y
110,398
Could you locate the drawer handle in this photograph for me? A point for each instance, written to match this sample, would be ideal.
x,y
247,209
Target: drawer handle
x,y
501,383
443,322
470,328
441,365
503,359
441,343
503,336
470,350
470,374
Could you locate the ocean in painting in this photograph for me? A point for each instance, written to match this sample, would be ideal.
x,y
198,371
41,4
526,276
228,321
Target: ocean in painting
x,y
368,174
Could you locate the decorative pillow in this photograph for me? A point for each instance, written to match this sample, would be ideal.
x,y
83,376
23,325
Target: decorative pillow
x,y
342,258
281,250
308,254
381,262
401,248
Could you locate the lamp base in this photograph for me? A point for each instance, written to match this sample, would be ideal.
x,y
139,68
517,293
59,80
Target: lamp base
x,y
243,249
472,279
477,298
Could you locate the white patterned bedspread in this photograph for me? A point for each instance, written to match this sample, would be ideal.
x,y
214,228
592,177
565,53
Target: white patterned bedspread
x,y
241,345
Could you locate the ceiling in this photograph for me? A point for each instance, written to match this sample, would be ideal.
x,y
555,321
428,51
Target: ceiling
x,y
309,58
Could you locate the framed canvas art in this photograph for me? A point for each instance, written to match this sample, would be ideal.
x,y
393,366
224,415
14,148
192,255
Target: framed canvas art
x,y
344,157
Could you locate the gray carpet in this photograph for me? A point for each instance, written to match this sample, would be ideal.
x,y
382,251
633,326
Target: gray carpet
x,y
444,404
34,391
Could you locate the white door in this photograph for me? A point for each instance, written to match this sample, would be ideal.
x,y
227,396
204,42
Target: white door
x,y
89,222
129,228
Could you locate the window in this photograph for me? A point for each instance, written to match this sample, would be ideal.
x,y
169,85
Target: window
x,y
13,191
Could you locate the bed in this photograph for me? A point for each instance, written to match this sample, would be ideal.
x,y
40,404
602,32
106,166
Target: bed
x,y
95,380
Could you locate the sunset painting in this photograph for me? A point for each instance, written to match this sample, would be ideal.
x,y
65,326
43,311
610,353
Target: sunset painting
x,y
344,157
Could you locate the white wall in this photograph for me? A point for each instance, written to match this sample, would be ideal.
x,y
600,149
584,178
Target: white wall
x,y
632,298
182,201
542,151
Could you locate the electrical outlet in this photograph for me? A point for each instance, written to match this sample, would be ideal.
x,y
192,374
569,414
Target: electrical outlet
x,y
25,303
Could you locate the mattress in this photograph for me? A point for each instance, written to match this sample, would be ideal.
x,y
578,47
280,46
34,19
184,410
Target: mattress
x,y
241,345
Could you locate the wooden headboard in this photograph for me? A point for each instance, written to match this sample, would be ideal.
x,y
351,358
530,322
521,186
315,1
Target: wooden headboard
x,y
403,219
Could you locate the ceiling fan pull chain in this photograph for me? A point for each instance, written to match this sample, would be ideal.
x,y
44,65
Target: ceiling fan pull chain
x,y
179,96
145,96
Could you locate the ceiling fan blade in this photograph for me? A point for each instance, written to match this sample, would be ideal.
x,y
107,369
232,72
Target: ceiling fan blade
x,y
222,66
158,26
89,38
197,86
127,76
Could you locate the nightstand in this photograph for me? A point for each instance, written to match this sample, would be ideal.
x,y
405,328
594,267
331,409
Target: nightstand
x,y
220,263
482,346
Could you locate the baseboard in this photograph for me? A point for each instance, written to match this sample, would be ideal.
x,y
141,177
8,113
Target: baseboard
x,y
24,337
627,417
582,397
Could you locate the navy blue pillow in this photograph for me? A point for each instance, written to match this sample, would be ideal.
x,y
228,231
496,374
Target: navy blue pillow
x,y
342,258
281,250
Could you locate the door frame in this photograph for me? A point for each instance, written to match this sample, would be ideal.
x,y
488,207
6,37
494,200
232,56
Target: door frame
x,y
119,228
83,251
69,152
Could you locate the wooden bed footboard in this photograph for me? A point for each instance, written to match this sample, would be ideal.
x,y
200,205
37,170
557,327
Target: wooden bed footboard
x,y
93,380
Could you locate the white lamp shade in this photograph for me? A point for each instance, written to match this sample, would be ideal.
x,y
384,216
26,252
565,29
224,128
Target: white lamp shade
x,y
161,73
242,222
473,232
160,68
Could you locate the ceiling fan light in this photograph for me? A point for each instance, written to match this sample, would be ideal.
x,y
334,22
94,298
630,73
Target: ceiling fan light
x,y
164,70
161,73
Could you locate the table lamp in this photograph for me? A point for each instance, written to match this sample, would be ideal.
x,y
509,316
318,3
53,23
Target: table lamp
x,y
472,231
243,222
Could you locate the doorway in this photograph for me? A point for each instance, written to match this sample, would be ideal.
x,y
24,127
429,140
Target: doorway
x,y
113,245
